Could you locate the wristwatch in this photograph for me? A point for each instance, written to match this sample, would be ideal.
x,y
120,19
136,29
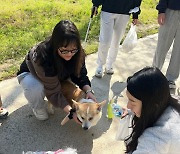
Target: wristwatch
x,y
90,90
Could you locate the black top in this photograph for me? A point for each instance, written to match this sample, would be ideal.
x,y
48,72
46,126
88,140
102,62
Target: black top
x,y
51,72
118,6
170,4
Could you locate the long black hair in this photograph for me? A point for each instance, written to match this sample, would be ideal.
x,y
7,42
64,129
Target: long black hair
x,y
151,87
64,33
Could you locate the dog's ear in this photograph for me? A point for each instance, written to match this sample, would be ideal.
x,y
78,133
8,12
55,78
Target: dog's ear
x,y
100,105
75,104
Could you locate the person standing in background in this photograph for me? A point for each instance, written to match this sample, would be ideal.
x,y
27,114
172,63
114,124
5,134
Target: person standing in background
x,y
169,32
114,18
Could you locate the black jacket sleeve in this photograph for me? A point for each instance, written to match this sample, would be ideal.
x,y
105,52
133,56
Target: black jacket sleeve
x,y
97,2
137,4
83,79
162,6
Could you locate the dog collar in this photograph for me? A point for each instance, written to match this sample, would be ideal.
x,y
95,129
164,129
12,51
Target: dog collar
x,y
79,120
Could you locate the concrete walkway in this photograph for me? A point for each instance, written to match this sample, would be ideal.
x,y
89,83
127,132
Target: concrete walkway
x,y
22,132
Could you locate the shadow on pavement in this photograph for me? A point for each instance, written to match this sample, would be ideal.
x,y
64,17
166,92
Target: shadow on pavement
x,y
101,88
117,88
23,132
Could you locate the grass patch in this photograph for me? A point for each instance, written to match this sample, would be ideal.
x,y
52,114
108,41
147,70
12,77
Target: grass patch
x,y
25,22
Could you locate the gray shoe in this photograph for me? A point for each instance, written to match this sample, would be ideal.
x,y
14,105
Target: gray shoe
x,y
99,72
109,71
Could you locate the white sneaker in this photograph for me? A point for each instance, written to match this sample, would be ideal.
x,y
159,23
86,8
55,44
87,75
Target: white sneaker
x,y
109,71
3,113
99,72
41,114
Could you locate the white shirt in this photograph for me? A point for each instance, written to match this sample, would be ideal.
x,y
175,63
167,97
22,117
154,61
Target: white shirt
x,y
163,137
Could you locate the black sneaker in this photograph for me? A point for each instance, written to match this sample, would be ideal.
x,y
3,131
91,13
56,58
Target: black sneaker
x,y
172,85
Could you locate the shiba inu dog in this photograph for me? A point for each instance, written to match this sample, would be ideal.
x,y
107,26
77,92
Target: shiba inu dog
x,y
88,111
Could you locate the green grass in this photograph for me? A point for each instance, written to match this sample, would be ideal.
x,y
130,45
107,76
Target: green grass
x,y
25,22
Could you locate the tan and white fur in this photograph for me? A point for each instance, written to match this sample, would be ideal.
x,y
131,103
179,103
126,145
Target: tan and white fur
x,y
88,111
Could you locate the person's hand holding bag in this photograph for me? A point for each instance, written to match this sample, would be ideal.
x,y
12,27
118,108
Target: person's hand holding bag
x,y
131,39
124,125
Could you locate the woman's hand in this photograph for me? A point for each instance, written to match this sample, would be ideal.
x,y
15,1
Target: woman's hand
x,y
89,95
135,21
161,18
125,112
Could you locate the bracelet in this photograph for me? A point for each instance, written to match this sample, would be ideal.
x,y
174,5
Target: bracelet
x,y
90,90
71,112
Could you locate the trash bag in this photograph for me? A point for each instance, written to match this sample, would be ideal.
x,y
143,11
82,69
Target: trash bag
x,y
130,40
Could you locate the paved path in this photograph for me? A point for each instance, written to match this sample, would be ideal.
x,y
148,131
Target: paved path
x,y
22,132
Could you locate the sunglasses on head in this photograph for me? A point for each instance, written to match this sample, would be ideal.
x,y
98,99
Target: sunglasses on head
x,y
67,51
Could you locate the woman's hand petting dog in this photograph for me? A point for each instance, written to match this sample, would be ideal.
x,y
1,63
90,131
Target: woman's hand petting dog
x,y
91,96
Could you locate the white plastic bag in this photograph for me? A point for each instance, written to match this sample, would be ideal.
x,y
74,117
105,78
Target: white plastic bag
x,y
123,128
131,39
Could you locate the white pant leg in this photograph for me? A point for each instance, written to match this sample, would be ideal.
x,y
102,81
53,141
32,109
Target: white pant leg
x,y
33,90
106,30
166,36
119,27
174,65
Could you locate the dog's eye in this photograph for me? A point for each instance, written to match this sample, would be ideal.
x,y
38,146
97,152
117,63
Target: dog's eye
x,y
90,119
82,118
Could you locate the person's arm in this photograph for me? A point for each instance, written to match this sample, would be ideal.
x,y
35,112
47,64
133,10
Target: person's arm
x,y
94,9
97,3
161,18
154,140
89,93
162,6
83,79
83,82
136,14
